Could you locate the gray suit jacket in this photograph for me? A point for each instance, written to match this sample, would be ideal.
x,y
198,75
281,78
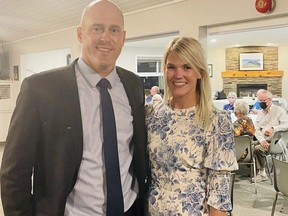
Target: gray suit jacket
x,y
46,136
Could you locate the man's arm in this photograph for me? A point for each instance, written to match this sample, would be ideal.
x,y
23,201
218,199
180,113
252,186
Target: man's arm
x,y
258,129
18,156
283,121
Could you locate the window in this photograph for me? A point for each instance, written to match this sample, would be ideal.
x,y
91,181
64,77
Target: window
x,y
148,64
149,69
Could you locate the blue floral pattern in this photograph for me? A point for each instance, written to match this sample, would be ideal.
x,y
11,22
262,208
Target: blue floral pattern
x,y
189,164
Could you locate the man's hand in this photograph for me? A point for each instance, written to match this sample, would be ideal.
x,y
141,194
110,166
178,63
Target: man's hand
x,y
255,111
265,144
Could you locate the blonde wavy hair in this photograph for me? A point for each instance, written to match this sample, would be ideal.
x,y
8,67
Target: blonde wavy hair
x,y
190,50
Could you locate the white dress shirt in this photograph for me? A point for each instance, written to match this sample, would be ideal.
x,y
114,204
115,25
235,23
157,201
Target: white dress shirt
x,y
276,117
88,195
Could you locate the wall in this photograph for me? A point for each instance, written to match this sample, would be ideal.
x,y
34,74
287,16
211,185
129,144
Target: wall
x,y
270,56
283,65
216,57
30,63
6,108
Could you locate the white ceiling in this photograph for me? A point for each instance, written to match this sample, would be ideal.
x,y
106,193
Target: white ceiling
x,y
272,36
20,19
276,36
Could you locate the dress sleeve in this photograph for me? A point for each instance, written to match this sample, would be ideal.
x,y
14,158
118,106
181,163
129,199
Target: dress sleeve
x,y
218,195
220,152
219,160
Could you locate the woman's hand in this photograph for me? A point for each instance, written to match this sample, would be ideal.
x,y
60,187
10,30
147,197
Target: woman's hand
x,y
216,212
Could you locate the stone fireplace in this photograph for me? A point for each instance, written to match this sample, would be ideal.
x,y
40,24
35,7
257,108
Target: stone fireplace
x,y
246,83
248,90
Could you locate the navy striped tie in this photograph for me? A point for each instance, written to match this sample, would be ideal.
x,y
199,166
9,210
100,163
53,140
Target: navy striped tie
x,y
115,203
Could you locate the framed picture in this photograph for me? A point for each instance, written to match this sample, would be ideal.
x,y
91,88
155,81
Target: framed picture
x,y
210,70
251,61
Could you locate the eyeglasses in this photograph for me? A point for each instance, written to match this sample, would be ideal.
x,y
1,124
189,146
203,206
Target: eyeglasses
x,y
264,100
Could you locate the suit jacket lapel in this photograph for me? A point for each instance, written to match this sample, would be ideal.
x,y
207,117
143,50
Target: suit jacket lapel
x,y
71,104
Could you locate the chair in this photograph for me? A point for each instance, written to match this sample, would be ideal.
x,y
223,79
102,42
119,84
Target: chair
x,y
231,189
280,181
241,144
277,149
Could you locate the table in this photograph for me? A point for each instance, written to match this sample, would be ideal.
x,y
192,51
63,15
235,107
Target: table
x,y
276,101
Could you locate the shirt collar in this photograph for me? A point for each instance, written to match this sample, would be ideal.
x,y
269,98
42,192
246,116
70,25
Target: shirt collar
x,y
92,76
269,108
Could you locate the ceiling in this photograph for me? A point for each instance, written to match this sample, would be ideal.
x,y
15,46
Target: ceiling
x,y
269,36
21,19
276,36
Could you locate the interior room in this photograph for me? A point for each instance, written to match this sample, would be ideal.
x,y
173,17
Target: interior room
x,y
41,35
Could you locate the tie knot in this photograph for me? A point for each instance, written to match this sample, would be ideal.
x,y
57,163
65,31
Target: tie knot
x,y
104,84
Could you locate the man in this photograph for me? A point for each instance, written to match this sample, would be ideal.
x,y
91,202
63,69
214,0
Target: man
x,y
153,91
269,120
256,106
56,130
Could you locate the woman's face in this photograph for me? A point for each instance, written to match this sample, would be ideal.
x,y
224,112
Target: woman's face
x,y
181,78
231,99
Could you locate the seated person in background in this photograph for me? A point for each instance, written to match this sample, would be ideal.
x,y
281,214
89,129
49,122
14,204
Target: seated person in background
x,y
256,107
147,94
231,99
157,98
244,124
269,120
154,90
220,95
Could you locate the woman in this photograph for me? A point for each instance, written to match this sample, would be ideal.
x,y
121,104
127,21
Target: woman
x,y
231,100
190,143
243,124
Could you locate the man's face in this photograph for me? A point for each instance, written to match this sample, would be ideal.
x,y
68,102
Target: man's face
x,y
263,98
102,36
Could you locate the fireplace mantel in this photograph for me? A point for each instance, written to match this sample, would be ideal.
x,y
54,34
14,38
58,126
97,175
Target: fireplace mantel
x,y
252,73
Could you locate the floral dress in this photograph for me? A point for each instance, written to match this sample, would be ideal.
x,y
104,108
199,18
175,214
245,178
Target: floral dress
x,y
187,160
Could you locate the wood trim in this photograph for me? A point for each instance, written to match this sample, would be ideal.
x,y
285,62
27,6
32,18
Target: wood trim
x,y
252,73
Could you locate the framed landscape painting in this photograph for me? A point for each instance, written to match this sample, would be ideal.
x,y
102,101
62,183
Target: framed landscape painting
x,y
251,61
